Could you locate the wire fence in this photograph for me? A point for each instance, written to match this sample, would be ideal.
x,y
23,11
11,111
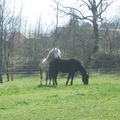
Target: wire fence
x,y
34,69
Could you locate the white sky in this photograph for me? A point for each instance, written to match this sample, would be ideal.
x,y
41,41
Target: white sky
x,y
33,9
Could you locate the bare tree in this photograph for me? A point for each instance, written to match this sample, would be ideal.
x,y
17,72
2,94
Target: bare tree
x,y
73,27
111,34
1,40
57,21
95,9
4,15
9,24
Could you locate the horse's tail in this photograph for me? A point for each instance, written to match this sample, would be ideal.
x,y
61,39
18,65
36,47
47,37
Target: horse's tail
x,y
41,75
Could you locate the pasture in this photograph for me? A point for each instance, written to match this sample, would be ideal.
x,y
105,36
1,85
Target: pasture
x,y
23,99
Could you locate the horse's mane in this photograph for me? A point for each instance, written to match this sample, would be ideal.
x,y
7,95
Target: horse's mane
x,y
49,54
43,60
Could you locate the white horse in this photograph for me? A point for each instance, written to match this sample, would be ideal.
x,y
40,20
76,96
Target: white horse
x,y
44,65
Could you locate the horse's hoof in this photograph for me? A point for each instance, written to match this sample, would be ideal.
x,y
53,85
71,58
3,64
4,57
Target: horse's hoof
x,y
40,85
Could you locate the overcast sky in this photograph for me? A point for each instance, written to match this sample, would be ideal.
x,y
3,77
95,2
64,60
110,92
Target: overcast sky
x,y
33,9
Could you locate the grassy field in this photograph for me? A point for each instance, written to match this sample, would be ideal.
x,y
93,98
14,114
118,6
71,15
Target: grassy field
x,y
23,99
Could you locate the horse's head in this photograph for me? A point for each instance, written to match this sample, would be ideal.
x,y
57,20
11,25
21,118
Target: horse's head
x,y
84,72
85,78
57,53
54,53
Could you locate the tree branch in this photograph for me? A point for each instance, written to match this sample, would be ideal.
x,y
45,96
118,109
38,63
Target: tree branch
x,y
104,9
89,6
77,16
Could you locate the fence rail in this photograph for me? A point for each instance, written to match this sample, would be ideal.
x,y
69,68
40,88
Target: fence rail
x,y
36,71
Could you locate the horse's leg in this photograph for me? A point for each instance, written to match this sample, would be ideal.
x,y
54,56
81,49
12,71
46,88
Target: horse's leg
x,y
53,80
50,80
72,76
56,78
46,77
40,76
68,78
50,77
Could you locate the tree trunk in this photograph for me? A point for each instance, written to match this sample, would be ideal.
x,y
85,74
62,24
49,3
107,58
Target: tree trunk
x,y
1,45
1,80
7,71
96,35
8,77
95,27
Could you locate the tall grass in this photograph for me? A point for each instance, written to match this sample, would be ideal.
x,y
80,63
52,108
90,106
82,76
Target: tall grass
x,y
24,99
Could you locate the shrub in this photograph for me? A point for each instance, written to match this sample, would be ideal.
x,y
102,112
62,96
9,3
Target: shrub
x,y
105,60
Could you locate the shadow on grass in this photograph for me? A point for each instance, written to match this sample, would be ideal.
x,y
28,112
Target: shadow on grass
x,y
47,86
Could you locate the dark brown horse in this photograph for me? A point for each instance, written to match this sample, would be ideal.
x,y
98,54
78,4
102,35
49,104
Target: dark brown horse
x,y
70,66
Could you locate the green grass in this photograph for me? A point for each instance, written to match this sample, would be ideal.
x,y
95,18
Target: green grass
x,y
24,99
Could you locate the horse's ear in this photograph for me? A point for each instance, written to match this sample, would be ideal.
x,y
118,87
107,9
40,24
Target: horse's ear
x,y
55,48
